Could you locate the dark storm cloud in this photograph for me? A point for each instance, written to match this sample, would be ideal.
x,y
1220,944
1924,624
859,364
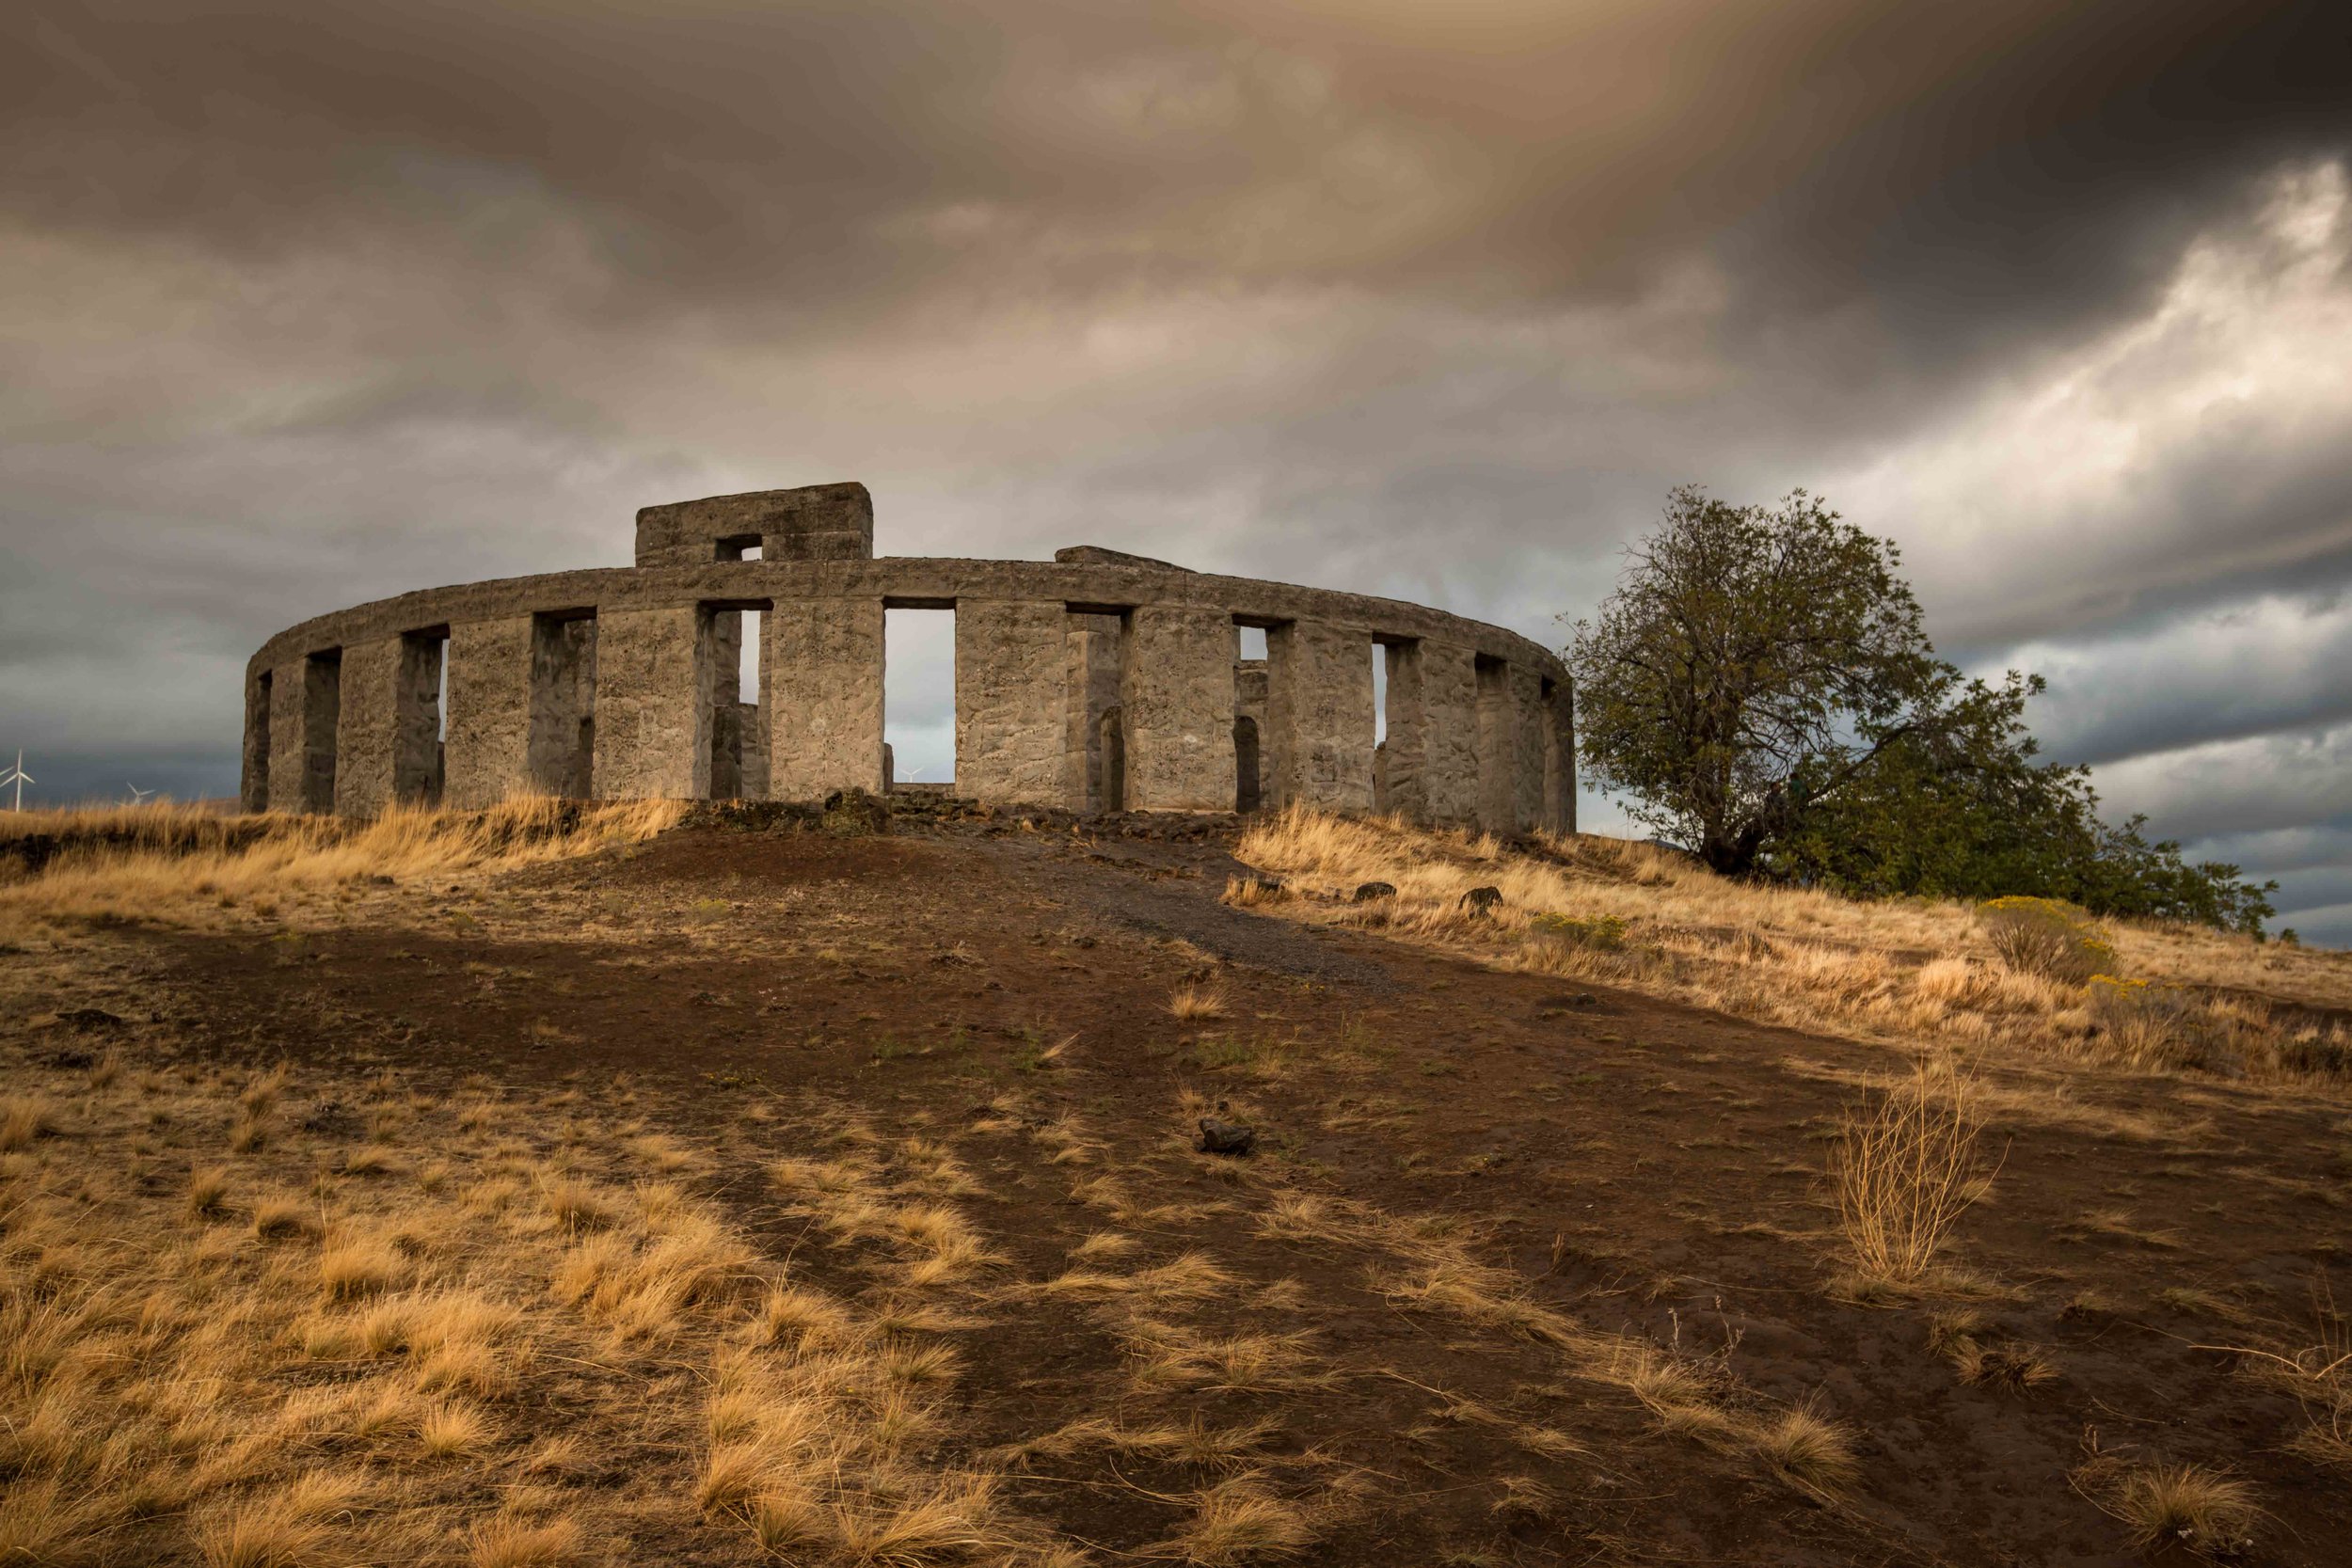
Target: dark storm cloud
x,y
303,304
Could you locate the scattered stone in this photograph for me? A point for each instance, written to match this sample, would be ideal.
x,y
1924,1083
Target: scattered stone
x,y
94,1019
330,1117
1226,1137
1482,900
72,1061
1367,892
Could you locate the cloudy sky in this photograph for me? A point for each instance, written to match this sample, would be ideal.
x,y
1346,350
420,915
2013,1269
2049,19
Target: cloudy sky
x,y
304,304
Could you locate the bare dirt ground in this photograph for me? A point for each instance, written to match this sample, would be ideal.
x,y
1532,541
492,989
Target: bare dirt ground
x,y
1644,1171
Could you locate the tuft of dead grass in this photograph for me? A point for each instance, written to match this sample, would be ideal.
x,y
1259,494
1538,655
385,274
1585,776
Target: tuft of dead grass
x,y
1195,1004
1904,1170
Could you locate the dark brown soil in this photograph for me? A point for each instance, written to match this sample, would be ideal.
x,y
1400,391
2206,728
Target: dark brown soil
x,y
1645,1168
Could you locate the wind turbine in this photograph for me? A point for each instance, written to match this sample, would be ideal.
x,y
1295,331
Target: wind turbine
x,y
18,777
138,795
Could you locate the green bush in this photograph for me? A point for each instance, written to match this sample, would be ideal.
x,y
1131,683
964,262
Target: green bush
x,y
1601,933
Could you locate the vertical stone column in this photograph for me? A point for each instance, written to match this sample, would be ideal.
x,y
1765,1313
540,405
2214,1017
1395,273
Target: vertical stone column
x,y
417,721
1527,706
289,743
1091,645
1559,756
253,781
1432,755
562,759
1249,731
487,756
821,687
1498,749
365,733
1176,666
1012,698
652,704
1319,710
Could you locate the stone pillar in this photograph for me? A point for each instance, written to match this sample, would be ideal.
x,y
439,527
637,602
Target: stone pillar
x,y
1091,645
1176,667
1012,698
1527,762
562,759
288,747
253,783
1431,751
652,704
366,733
1498,749
1559,756
487,756
820,690
416,719
1320,716
1249,733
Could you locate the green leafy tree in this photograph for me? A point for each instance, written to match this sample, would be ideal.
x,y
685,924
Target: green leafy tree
x,y
1762,685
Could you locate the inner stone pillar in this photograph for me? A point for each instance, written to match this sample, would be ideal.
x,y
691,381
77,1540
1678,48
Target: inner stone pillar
x,y
253,783
729,725
1559,756
365,735
1176,696
1498,749
1091,672
652,705
416,719
488,754
1528,748
1320,715
1250,729
1012,701
319,694
821,687
563,745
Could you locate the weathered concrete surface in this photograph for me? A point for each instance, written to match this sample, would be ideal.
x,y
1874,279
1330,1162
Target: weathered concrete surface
x,y
652,704
367,733
417,721
1250,728
1559,756
563,705
1150,710
253,786
816,522
1529,745
1012,694
1432,762
1320,715
489,752
820,683
1091,646
1498,749
1176,668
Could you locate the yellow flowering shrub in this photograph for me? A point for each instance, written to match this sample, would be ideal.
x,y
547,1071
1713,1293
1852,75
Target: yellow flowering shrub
x,y
2048,937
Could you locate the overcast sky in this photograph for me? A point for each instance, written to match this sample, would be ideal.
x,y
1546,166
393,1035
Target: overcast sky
x,y
307,304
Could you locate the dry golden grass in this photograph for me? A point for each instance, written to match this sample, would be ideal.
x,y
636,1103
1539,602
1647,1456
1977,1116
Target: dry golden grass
x,y
159,1344
1899,970
1196,1003
186,866
2188,1507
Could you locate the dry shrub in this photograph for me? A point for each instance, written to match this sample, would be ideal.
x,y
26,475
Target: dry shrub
x,y
1236,1522
1904,1169
2046,937
23,1118
1808,1450
507,1542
